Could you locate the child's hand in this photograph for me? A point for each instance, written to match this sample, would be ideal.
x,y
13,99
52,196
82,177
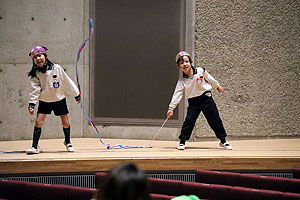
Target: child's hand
x,y
220,89
78,98
170,113
31,111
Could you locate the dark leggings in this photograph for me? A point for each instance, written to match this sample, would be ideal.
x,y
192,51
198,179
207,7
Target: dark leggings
x,y
207,105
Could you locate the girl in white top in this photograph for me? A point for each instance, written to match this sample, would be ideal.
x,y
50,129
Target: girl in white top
x,y
196,84
49,85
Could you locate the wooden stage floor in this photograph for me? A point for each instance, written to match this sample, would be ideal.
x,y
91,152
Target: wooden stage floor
x,y
90,155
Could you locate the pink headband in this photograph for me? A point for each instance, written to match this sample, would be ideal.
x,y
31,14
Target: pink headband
x,y
181,53
38,50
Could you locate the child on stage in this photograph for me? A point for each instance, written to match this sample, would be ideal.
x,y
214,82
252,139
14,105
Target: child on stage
x,y
49,84
196,84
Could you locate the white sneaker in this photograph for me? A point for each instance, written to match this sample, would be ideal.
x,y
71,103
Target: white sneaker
x,y
69,147
225,146
181,147
33,150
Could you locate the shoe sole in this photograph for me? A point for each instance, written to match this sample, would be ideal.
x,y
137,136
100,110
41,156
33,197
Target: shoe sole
x,y
225,148
68,148
31,152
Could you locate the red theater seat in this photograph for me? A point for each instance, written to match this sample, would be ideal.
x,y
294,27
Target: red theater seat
x,y
11,189
290,196
37,191
206,191
241,193
263,182
249,180
296,173
273,183
216,177
100,180
293,185
81,193
164,186
160,197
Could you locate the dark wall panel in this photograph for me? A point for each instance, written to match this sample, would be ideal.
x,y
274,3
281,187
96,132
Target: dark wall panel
x,y
134,68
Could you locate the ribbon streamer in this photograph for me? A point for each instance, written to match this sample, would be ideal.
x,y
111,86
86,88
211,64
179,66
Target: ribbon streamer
x,y
108,146
12,151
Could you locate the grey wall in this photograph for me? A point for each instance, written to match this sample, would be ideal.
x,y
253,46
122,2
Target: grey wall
x,y
251,47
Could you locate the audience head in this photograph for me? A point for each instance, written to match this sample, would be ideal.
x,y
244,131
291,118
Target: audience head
x,y
125,182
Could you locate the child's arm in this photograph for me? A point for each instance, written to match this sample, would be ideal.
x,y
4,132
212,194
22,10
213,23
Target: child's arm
x,y
34,94
69,84
213,81
176,98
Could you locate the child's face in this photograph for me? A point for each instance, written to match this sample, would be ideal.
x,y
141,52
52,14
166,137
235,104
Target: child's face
x,y
39,60
185,65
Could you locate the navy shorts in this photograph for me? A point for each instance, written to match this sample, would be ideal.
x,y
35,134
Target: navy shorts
x,y
58,107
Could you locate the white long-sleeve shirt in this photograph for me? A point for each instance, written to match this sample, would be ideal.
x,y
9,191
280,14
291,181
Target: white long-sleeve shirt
x,y
44,85
201,82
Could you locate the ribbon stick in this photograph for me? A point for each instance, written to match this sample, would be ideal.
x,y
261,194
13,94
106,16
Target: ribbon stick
x,y
158,131
108,146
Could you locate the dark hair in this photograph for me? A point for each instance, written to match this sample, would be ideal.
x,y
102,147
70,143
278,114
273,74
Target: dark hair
x,y
48,66
181,59
125,182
